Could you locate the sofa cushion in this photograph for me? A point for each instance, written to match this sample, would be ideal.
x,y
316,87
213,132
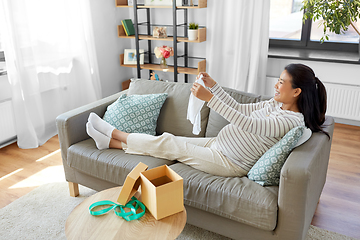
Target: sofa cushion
x,y
135,113
304,137
239,199
266,170
172,117
216,122
112,165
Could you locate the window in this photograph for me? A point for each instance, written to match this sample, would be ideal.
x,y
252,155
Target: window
x,y
350,36
285,20
287,29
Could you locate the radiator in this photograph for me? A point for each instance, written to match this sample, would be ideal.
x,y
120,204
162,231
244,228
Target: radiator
x,y
7,124
343,101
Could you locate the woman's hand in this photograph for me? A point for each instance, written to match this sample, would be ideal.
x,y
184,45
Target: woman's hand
x,y
201,93
208,81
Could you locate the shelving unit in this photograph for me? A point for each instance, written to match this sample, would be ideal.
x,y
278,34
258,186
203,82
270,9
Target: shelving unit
x,y
176,69
185,70
201,36
124,3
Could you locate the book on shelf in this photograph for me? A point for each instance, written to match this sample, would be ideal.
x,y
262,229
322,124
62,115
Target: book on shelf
x,y
128,27
124,28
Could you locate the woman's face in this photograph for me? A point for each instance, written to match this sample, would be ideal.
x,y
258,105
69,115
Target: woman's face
x,y
283,89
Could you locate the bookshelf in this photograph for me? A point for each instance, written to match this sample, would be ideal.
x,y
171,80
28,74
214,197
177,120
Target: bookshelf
x,y
156,67
124,4
201,36
176,69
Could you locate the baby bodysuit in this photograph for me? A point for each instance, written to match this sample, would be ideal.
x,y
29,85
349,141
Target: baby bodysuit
x,y
194,108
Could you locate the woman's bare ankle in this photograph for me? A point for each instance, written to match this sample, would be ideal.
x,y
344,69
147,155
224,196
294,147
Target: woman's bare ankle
x,y
120,135
115,144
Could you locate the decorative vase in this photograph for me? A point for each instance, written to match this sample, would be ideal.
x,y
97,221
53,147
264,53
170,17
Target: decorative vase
x,y
192,34
163,63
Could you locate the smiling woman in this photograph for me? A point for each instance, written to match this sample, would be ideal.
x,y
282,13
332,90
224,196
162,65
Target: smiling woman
x,y
285,92
311,101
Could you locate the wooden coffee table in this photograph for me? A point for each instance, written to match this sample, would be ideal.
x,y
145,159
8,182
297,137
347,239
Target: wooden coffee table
x,y
82,225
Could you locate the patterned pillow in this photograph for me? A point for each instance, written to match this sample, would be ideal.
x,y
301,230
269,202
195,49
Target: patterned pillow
x,y
266,170
135,113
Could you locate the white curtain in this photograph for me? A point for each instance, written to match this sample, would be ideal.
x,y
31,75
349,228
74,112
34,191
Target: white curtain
x,y
51,63
238,38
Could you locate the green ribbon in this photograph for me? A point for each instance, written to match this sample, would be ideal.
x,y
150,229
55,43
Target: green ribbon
x,y
128,216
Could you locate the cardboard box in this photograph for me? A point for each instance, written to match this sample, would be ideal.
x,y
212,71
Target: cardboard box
x,y
162,191
131,184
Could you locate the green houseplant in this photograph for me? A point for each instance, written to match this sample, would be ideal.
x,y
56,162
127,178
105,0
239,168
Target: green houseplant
x,y
193,25
193,31
337,15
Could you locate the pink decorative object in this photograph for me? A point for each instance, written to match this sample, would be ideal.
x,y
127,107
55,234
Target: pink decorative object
x,y
163,53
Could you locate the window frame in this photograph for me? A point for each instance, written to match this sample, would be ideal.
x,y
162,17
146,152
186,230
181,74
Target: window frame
x,y
2,56
306,43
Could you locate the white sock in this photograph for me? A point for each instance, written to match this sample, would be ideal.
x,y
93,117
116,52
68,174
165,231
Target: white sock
x,y
102,141
100,125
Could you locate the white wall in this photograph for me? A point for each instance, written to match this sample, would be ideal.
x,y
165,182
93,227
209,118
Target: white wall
x,y
325,71
338,73
105,19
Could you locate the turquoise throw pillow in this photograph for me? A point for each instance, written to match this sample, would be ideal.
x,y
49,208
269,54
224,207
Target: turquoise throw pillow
x,y
135,113
266,170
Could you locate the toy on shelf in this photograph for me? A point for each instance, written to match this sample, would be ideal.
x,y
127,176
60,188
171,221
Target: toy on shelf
x,y
154,76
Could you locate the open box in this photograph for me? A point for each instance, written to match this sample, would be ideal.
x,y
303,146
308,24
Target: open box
x,y
161,190
131,184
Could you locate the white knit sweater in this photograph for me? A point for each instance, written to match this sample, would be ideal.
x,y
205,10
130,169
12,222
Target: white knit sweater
x,y
253,129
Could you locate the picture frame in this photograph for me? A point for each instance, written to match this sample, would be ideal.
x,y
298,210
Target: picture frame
x,y
130,56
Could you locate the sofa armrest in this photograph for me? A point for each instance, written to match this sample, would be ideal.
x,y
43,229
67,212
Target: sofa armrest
x,y
302,180
71,125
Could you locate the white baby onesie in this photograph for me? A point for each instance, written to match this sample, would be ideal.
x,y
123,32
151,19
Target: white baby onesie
x,y
194,108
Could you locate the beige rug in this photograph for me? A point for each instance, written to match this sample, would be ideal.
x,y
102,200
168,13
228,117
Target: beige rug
x,y
42,213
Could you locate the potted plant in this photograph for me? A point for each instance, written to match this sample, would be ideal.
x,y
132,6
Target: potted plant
x,y
193,31
337,15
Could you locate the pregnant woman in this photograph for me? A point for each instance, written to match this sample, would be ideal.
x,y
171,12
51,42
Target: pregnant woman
x,y
300,100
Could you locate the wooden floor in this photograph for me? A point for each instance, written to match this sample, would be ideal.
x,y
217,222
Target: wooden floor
x,y
23,170
339,208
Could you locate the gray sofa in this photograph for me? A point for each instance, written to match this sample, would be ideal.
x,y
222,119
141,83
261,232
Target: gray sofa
x,y
231,206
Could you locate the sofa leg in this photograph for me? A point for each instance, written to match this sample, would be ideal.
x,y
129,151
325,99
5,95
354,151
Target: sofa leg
x,y
74,189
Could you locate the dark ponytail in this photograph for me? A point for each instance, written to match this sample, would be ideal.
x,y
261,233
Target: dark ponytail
x,y
312,99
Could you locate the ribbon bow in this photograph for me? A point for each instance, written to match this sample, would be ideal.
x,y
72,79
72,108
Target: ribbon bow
x,y
128,216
